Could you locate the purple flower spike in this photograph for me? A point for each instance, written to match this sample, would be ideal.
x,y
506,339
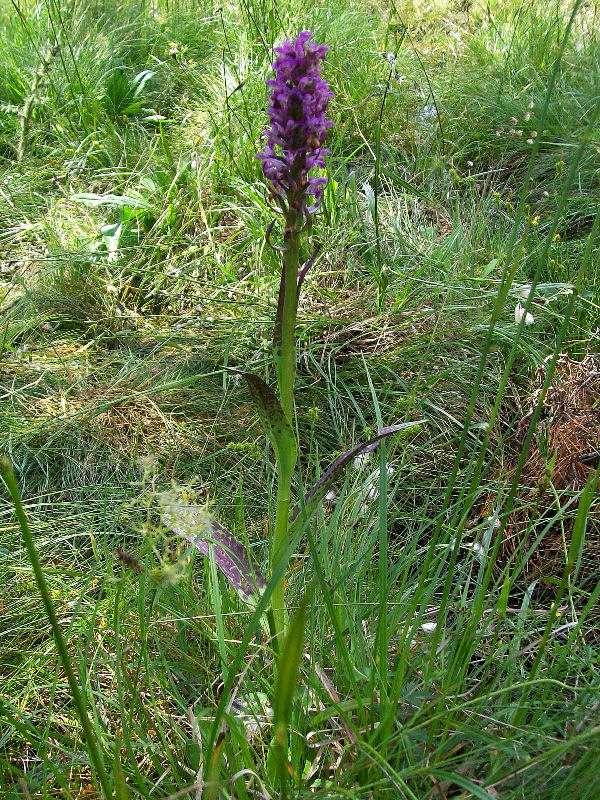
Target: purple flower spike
x,y
298,126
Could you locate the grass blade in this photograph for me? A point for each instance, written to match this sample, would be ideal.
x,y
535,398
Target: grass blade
x,y
78,698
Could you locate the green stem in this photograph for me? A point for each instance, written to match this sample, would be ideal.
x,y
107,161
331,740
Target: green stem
x,y
286,373
61,646
278,547
287,357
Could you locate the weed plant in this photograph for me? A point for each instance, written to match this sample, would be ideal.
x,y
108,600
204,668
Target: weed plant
x,y
136,285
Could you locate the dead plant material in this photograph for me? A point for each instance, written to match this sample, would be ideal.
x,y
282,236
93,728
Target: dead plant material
x,y
437,218
568,436
563,455
373,336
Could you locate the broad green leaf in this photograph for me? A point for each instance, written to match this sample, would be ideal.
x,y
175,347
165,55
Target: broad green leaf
x,y
288,667
277,329
289,663
273,421
141,79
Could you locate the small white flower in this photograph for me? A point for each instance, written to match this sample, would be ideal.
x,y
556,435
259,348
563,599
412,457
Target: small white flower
x,y
527,117
524,291
360,460
469,163
390,470
331,496
373,492
429,627
475,547
520,312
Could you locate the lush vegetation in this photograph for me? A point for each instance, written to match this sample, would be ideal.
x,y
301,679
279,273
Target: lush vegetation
x,y
450,641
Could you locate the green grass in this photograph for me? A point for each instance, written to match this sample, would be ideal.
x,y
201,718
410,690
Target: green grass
x,y
135,281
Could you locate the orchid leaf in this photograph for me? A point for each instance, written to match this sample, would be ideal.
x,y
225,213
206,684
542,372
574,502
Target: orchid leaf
x,y
289,663
314,497
305,267
273,420
277,330
286,681
230,554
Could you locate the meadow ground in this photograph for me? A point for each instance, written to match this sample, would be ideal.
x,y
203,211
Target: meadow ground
x,y
451,647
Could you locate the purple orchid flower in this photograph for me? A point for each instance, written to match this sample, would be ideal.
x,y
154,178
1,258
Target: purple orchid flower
x,y
298,126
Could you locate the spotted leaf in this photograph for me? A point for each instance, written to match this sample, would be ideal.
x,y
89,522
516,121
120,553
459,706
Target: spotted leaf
x,y
230,554
315,496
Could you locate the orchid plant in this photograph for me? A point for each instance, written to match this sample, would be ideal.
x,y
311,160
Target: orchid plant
x,y
293,150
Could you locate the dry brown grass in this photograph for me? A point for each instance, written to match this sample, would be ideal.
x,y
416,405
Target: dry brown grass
x,y
561,460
